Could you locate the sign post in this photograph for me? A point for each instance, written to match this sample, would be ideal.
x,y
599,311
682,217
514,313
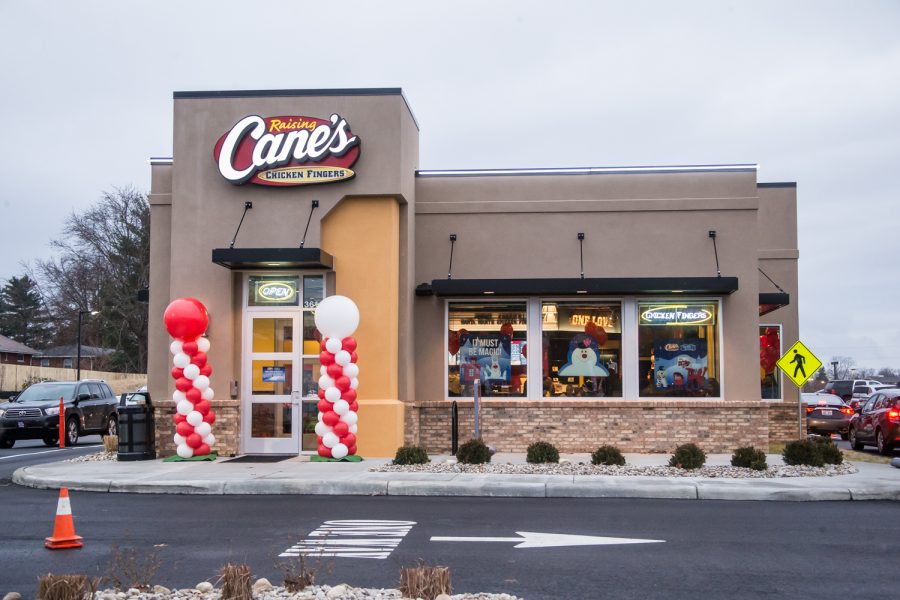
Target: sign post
x,y
799,364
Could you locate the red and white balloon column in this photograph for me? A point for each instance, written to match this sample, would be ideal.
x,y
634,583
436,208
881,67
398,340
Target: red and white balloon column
x,y
337,317
186,320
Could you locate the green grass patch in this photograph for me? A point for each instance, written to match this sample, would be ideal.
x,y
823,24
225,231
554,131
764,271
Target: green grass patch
x,y
176,458
353,458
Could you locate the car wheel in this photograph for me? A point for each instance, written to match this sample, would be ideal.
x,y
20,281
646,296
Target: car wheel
x,y
112,426
883,447
71,432
854,441
7,443
51,441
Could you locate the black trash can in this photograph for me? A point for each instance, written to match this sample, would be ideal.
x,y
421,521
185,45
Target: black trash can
x,y
137,430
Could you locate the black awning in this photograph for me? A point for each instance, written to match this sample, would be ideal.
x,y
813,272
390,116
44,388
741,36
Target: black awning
x,y
772,301
578,286
272,258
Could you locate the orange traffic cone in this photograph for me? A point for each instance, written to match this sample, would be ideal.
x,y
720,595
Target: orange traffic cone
x,y
64,528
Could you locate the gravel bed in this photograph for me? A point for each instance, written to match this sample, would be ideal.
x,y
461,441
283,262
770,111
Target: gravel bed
x,y
95,457
628,470
263,590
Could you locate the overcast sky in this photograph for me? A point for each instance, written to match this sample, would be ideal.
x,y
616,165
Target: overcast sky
x,y
808,90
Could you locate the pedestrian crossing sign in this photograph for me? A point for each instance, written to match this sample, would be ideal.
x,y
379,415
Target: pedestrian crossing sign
x,y
799,363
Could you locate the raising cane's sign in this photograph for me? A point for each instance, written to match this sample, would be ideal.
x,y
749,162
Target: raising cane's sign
x,y
287,151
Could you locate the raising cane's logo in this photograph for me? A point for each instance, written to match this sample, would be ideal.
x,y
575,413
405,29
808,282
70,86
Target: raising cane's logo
x,y
286,151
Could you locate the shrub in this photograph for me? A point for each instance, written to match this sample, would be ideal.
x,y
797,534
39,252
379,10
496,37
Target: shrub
x,y
474,452
66,587
803,452
424,581
688,456
749,458
411,455
831,454
542,452
607,455
111,444
236,582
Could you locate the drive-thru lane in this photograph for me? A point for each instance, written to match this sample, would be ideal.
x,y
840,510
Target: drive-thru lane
x,y
35,452
686,549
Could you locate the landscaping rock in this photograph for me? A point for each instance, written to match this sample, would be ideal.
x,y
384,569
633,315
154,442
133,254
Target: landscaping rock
x,y
13,596
159,589
261,585
204,587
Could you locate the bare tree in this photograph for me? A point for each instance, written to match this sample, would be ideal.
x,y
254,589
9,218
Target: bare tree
x,y
844,364
887,372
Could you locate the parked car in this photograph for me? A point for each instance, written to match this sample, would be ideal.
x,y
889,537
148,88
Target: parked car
x,y
90,408
877,423
861,392
845,387
827,414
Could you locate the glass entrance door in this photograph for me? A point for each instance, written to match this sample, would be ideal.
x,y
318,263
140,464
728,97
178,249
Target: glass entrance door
x,y
272,383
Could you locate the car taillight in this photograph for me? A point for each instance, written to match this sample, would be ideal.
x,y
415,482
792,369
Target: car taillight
x,y
809,409
847,411
831,391
893,416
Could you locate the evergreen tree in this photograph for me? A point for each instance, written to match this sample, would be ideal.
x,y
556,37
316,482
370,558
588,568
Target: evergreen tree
x,y
22,314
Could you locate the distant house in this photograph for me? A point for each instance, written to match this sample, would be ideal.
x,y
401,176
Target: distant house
x,y
63,357
14,353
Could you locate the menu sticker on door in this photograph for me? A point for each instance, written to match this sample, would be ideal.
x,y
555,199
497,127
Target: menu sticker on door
x,y
274,374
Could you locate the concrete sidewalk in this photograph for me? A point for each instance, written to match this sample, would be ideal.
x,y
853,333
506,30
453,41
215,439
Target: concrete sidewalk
x,y
299,476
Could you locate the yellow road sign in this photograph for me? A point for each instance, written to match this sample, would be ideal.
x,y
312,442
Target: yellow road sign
x,y
799,363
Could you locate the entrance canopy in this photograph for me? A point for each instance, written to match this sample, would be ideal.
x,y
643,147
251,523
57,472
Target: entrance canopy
x,y
272,258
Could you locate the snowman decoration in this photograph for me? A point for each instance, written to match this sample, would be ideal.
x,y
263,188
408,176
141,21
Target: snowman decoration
x,y
584,359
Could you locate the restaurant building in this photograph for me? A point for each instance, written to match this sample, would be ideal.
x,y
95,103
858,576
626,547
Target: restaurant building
x,y
635,306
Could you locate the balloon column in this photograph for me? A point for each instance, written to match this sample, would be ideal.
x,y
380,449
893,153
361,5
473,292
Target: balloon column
x,y
186,320
337,318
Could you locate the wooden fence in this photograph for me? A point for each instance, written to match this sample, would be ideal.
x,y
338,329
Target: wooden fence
x,y
14,377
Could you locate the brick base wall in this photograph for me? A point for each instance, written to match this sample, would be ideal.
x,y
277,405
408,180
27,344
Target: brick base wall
x,y
227,427
582,426
783,422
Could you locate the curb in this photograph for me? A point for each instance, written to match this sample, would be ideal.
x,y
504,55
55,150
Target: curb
x,y
661,488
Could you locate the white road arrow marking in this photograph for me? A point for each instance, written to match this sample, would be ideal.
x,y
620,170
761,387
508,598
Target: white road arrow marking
x,y
530,539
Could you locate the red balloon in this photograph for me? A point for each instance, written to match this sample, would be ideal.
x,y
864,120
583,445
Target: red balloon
x,y
202,407
763,342
353,357
341,429
596,332
203,450
177,373
348,344
507,329
351,450
326,358
321,394
194,440
180,418
322,345
324,451
210,417
206,370
334,370
525,350
348,395
184,429
342,383
348,440
319,440
199,359
330,418
193,395
190,348
186,319
184,384
323,406
452,342
354,406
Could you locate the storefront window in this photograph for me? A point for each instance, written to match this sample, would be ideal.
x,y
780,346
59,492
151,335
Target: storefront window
x,y
678,345
582,349
313,290
769,353
487,344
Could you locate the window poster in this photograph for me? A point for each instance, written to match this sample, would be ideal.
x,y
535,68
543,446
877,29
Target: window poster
x,y
273,374
681,365
583,359
490,352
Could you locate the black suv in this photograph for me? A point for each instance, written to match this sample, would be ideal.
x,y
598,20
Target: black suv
x,y
90,408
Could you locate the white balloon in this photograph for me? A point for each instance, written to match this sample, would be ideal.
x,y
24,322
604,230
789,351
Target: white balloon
x,y
349,418
201,382
184,407
203,429
209,440
192,371
195,418
321,415
179,439
330,440
181,360
354,428
354,383
203,344
332,394
322,429
339,450
323,370
351,370
342,358
341,407
325,382
178,396
208,394
185,451
337,317
333,345
175,347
